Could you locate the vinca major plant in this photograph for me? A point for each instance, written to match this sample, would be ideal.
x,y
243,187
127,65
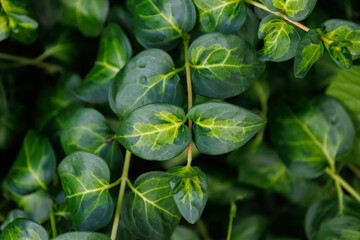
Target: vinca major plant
x,y
149,119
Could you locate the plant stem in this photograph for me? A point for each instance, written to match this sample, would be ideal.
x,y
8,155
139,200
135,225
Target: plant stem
x,y
186,39
52,219
124,177
343,183
231,218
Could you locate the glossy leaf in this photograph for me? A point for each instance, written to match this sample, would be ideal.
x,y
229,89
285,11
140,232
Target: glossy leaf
x,y
82,235
87,16
114,51
308,52
155,131
85,180
340,53
34,167
223,65
342,228
222,127
280,39
220,16
22,228
149,211
149,77
12,215
160,24
189,188
310,135
296,10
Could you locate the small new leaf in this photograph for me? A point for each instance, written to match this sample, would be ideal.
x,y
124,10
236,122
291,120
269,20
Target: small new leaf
x,y
155,131
149,211
222,127
340,53
189,188
223,65
85,180
296,10
22,228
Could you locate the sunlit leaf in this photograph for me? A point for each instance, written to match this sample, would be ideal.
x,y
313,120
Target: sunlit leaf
x,y
339,52
22,228
294,9
82,235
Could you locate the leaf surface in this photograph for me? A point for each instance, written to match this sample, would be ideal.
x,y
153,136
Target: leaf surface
x,y
82,235
342,228
296,10
11,216
24,229
339,52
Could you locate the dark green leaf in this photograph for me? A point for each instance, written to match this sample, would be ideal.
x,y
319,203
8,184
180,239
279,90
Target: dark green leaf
x,y
340,53
22,228
296,10
311,134
114,51
308,52
223,65
85,180
222,127
280,39
341,228
47,12
161,24
149,77
155,131
149,211
250,228
87,16
12,215
220,16
189,187
249,30
34,167
82,236
184,233
36,204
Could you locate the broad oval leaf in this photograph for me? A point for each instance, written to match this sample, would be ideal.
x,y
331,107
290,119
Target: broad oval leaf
x,y
220,16
222,127
280,39
87,16
342,228
114,51
12,215
85,180
155,131
223,65
149,77
310,135
36,204
296,10
161,24
149,211
34,167
340,53
82,235
189,188
22,228
308,52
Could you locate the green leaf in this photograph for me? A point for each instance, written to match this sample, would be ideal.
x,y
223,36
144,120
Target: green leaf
x,y
114,52
222,127
87,16
160,24
184,233
280,39
149,77
12,215
149,211
34,167
36,204
24,229
337,30
82,235
250,228
310,135
341,228
189,188
340,53
249,30
155,131
308,52
4,28
220,16
223,65
296,10
85,179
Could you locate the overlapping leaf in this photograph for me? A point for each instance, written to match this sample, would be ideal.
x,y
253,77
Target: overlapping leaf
x,y
22,228
114,51
85,180
296,10
311,134
342,228
220,16
160,24
222,127
190,191
87,16
36,204
308,52
12,215
4,28
149,77
33,168
223,65
155,131
149,211
280,39
82,235
339,52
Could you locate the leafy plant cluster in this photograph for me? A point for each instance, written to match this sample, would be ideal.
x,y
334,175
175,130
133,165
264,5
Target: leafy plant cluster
x,y
166,86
